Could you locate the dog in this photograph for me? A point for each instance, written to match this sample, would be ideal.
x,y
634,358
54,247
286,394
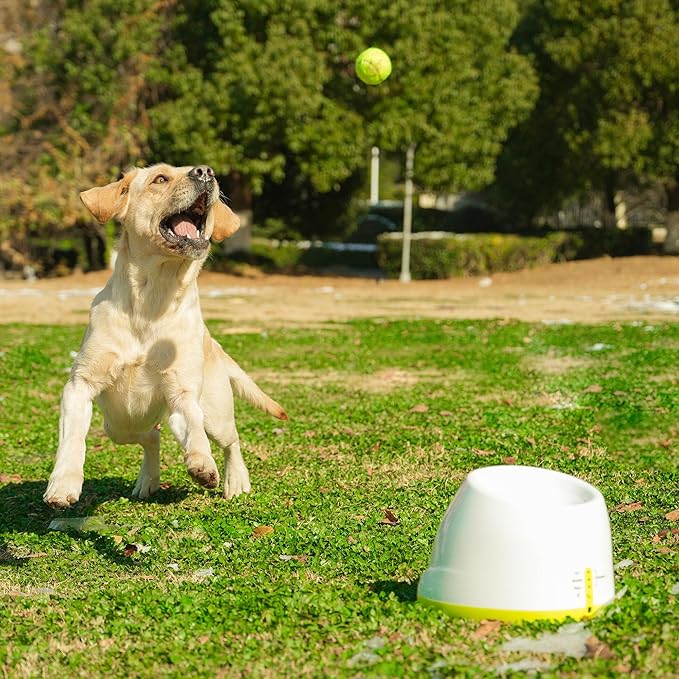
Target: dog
x,y
147,354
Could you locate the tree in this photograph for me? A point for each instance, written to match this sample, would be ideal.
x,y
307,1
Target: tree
x,y
83,87
298,125
607,115
265,92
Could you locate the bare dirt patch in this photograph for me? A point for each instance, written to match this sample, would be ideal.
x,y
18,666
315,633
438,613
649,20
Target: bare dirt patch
x,y
598,290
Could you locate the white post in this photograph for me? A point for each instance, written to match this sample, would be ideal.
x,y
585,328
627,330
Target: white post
x,y
374,175
407,215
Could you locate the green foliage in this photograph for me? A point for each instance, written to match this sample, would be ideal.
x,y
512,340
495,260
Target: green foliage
x,y
265,92
287,257
331,591
446,255
608,111
612,242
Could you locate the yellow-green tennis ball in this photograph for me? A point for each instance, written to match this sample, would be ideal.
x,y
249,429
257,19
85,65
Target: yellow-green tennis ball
x,y
373,66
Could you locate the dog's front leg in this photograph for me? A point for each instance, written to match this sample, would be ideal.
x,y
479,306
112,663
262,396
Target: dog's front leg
x,y
66,480
187,425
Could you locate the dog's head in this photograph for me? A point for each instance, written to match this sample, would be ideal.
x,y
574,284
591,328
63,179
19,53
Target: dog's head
x,y
174,209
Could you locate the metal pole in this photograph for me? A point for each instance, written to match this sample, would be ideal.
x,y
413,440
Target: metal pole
x,y
374,175
407,215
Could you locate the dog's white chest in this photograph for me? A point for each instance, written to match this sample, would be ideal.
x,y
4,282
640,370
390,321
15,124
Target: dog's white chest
x,y
136,400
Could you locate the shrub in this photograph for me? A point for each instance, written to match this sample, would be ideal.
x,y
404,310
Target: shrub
x,y
290,257
442,255
613,242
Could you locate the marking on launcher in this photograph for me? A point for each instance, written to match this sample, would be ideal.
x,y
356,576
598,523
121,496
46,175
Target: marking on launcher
x,y
589,590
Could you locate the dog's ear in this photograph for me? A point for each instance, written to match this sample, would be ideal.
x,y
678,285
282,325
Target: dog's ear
x,y
226,222
106,202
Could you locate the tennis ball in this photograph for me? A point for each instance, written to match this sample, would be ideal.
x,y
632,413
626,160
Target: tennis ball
x,y
373,66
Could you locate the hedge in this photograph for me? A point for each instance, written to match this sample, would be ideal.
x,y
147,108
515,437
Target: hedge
x,y
289,257
439,254
442,255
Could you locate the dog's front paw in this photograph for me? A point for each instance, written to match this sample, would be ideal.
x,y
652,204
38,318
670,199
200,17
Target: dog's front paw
x,y
145,486
236,481
202,469
63,490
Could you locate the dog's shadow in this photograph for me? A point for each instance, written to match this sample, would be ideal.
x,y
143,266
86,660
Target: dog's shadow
x,y
405,592
22,510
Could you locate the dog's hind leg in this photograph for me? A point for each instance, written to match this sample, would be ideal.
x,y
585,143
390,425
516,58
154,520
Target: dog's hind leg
x,y
148,480
236,475
220,425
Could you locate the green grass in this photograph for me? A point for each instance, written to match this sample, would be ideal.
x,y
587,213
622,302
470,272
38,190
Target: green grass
x,y
71,603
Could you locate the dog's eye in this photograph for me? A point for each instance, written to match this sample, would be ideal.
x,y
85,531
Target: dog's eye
x,y
160,179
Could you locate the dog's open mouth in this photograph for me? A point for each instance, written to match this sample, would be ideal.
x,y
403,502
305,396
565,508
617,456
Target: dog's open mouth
x,y
188,225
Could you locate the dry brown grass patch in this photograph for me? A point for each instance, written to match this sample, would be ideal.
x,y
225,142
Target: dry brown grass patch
x,y
553,364
380,382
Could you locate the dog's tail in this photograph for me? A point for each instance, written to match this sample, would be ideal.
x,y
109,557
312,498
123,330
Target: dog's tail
x,y
244,387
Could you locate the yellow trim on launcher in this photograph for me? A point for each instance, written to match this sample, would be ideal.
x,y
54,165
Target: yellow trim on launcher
x,y
474,613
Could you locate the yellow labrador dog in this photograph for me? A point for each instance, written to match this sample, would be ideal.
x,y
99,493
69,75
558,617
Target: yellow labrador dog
x,y
146,353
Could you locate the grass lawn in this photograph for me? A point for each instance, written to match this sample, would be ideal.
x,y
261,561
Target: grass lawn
x,y
330,590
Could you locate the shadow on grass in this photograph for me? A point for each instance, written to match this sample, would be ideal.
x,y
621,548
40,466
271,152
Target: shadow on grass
x,y
405,592
22,510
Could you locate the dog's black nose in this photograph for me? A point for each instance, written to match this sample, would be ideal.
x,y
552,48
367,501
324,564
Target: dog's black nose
x,y
203,172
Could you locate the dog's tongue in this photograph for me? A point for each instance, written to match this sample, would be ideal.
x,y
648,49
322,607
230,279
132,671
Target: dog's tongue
x,y
183,226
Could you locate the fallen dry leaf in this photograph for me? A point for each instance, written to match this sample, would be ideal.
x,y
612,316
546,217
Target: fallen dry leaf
x,y
165,485
509,460
598,649
629,507
478,451
129,549
351,540
485,628
673,515
445,413
261,531
419,408
117,539
663,534
390,519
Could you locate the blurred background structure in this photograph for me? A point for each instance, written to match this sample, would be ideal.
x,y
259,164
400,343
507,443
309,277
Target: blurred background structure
x,y
528,116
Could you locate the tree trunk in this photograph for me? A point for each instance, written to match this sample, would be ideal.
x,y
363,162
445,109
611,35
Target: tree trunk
x,y
237,191
672,223
94,240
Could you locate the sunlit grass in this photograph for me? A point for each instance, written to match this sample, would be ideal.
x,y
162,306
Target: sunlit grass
x,y
384,416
